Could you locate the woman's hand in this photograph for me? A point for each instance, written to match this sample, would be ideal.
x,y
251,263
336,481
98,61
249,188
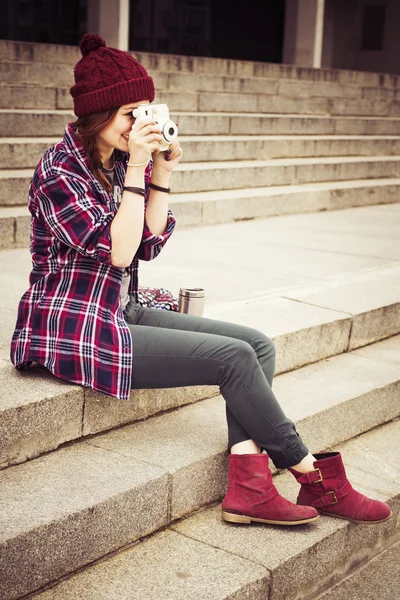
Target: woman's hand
x,y
167,161
144,138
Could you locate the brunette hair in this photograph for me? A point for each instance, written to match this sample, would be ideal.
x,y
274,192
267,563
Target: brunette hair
x,y
88,127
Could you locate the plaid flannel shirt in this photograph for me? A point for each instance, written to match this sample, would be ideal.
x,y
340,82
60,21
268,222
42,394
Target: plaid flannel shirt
x,y
70,319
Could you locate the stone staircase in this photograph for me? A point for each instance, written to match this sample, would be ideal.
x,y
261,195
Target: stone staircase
x,y
260,139
101,499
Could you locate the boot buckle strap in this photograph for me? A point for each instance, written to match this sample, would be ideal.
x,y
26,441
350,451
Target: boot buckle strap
x,y
320,478
324,501
311,477
334,497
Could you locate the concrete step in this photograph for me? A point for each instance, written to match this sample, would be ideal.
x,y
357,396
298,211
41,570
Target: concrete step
x,y
379,577
32,122
48,95
78,504
236,68
262,103
14,186
46,54
318,101
208,123
244,147
29,96
17,123
359,312
21,153
36,73
319,556
231,175
225,206
184,82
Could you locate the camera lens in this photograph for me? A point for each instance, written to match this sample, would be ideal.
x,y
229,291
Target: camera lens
x,y
170,131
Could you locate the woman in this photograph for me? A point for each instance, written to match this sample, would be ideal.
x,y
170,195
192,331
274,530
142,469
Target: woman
x,y
98,205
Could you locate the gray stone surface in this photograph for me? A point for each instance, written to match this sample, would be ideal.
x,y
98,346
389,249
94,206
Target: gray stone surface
x,y
26,51
23,123
37,413
104,412
317,554
64,99
339,398
170,567
14,186
209,208
328,409
230,175
189,444
199,177
301,333
379,578
68,55
219,148
7,237
371,320
23,153
271,256
15,266
20,96
71,507
287,255
296,557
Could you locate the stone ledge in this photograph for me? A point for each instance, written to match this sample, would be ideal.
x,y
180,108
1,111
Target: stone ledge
x,y
264,557
180,461
169,567
59,54
24,153
191,178
71,507
302,333
363,302
379,578
31,122
323,554
210,208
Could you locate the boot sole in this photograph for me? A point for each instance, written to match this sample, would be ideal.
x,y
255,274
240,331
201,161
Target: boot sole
x,y
233,518
328,514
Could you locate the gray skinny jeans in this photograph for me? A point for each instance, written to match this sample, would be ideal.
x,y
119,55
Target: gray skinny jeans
x,y
172,349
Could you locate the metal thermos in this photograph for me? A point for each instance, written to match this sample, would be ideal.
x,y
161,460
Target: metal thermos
x,y
191,301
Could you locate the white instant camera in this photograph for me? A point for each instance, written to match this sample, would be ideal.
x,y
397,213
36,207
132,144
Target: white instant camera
x,y
160,113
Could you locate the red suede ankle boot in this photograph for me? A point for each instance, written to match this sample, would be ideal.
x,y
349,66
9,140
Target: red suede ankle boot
x,y
252,496
328,489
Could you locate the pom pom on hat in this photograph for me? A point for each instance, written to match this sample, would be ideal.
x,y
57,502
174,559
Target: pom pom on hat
x,y
90,42
107,78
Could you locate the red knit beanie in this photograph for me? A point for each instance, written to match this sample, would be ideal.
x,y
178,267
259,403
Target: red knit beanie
x,y
106,78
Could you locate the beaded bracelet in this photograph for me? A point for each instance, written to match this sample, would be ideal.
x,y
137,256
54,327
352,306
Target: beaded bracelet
x,y
138,165
153,186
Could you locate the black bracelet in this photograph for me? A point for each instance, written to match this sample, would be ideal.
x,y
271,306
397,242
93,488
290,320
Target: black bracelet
x,y
153,186
135,190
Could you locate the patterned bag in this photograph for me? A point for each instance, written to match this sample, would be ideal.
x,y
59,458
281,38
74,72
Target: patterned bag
x,y
157,298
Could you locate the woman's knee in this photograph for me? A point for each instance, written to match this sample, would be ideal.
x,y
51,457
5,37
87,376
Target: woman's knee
x,y
262,344
240,353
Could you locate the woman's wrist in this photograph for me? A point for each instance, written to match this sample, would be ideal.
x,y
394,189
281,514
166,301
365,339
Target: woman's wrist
x,y
160,177
135,176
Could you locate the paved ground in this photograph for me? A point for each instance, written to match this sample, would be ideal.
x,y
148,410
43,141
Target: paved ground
x,y
251,260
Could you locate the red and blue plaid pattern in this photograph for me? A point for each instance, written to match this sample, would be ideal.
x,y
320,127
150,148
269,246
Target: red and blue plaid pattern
x,y
70,319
